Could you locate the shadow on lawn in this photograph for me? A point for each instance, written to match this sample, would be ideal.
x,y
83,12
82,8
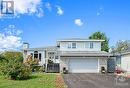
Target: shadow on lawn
x,y
33,77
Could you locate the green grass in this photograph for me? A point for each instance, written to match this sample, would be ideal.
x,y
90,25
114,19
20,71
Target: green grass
x,y
38,80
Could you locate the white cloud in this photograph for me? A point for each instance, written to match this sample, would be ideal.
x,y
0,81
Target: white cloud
x,y
30,7
59,10
78,22
10,39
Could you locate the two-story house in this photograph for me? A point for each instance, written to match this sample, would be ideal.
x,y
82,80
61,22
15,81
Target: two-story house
x,y
82,55
76,55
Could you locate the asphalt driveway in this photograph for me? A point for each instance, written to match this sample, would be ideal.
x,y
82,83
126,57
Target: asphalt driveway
x,y
95,81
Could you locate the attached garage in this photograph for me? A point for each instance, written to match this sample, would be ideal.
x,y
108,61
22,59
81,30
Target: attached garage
x,y
83,62
83,65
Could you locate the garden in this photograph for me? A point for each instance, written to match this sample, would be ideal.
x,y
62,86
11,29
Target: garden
x,y
16,74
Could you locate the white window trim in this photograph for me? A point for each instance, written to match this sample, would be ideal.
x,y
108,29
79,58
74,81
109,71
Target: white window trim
x,y
70,45
91,46
74,46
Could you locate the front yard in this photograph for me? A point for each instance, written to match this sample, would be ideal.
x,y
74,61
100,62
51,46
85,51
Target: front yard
x,y
38,80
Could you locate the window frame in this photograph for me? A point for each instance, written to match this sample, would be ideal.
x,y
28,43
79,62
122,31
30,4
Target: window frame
x,y
91,45
69,45
74,46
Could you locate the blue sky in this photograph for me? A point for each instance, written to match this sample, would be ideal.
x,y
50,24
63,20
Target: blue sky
x,y
68,19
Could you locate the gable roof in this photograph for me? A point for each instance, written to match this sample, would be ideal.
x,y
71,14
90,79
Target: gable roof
x,y
42,48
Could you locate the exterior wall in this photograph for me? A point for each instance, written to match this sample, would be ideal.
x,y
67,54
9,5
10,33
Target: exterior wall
x,y
102,63
64,62
81,46
118,60
52,55
42,62
24,55
125,62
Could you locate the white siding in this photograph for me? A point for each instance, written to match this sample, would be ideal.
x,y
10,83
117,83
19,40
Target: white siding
x,y
42,56
125,62
81,46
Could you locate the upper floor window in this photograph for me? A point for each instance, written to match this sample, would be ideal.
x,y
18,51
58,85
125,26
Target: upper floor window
x,y
91,45
73,45
69,45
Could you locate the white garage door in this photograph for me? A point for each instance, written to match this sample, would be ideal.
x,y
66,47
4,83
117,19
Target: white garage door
x,y
83,65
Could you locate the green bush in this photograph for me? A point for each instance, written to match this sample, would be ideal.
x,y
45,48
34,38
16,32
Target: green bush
x,y
14,69
38,68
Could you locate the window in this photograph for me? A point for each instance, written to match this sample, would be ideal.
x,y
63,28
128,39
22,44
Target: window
x,y
56,57
69,45
35,54
40,55
73,45
91,45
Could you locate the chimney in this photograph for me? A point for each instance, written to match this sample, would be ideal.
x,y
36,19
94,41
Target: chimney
x,y
25,45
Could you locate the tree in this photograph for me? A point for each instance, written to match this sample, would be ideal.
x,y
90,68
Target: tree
x,y
121,46
100,35
12,66
11,55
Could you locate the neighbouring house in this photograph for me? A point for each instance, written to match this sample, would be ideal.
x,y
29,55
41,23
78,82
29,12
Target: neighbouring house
x,y
123,60
76,55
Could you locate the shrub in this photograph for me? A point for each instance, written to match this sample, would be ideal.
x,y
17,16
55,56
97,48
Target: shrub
x,y
38,68
14,69
32,63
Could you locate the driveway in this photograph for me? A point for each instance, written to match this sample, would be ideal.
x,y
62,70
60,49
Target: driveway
x,y
95,81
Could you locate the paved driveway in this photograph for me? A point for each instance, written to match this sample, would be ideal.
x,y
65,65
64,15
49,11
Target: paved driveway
x,y
95,81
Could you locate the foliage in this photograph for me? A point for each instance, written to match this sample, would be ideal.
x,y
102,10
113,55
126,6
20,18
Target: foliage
x,y
32,63
1,57
12,67
100,35
11,55
37,68
121,46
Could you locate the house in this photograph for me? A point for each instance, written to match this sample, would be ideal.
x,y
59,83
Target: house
x,y
123,60
75,55
82,55
41,53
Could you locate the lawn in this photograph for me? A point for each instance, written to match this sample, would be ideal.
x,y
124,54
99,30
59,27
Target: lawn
x,y
39,80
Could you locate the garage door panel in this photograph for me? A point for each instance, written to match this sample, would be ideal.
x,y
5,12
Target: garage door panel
x,y
83,65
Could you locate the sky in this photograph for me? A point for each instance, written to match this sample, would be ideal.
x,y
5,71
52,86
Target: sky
x,y
42,22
